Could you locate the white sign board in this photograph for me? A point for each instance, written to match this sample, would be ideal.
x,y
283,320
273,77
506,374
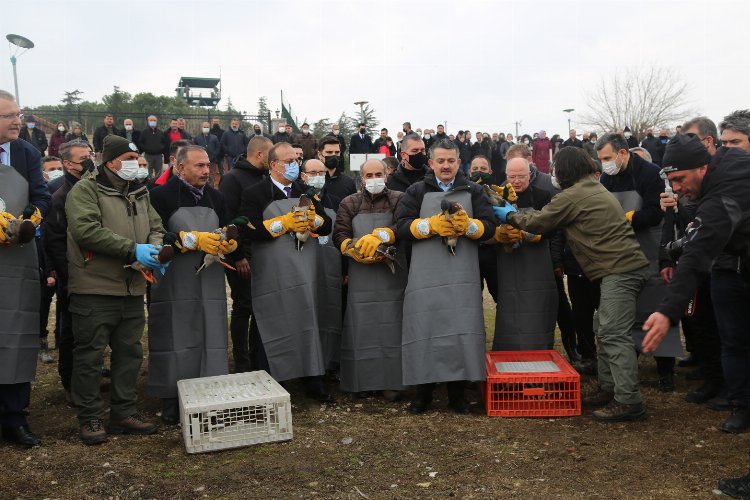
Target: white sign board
x,y
357,160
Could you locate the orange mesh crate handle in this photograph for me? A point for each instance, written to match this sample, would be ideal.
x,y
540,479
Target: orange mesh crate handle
x,y
533,391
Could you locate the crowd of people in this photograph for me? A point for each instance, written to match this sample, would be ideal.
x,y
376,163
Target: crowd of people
x,y
374,284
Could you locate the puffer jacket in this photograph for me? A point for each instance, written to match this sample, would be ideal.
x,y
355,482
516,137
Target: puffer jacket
x,y
363,203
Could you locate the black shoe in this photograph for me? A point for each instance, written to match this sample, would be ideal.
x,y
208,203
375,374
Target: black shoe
x,y
322,396
737,487
585,366
691,360
666,383
170,413
719,402
598,399
419,406
737,422
460,406
21,435
618,412
703,393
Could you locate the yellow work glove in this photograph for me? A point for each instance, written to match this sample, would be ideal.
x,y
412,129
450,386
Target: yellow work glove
x,y
227,246
460,221
474,229
352,252
531,237
368,244
437,224
289,222
33,214
629,215
507,234
200,240
5,218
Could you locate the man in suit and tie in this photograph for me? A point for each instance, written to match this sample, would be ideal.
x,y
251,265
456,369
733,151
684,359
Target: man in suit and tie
x,y
361,142
21,187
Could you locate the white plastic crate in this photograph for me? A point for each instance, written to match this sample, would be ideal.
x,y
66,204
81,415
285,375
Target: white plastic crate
x,y
233,410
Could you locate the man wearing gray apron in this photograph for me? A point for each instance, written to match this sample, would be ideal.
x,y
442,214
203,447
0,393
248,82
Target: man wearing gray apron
x,y
637,186
527,298
284,285
188,312
312,182
371,343
21,184
443,321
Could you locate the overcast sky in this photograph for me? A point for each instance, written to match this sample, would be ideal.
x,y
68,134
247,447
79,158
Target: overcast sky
x,y
480,65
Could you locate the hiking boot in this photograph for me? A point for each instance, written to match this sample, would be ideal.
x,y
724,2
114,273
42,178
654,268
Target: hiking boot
x,y
618,412
666,383
737,422
44,355
131,425
92,432
703,393
598,398
737,487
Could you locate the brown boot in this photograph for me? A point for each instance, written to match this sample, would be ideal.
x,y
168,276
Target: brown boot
x,y
131,425
598,398
92,432
619,412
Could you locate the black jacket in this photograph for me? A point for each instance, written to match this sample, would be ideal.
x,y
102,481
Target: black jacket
x,y
135,136
359,145
281,137
338,187
210,143
722,223
576,143
169,197
482,148
256,198
232,185
632,142
217,131
36,138
642,177
55,231
402,178
233,144
99,135
151,141
464,148
654,147
411,203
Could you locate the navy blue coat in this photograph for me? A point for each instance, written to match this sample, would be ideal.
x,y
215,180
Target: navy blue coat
x,y
358,145
210,143
27,161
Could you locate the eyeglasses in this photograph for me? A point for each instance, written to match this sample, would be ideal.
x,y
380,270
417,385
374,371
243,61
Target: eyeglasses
x,y
10,116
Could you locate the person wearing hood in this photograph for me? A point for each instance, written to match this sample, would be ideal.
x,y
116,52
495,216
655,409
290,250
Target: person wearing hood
x,y
413,165
284,284
187,315
632,140
57,139
542,152
249,170
338,185
371,339
33,135
443,336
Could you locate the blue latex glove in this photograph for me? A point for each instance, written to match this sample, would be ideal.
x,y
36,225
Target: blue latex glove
x,y
146,254
502,212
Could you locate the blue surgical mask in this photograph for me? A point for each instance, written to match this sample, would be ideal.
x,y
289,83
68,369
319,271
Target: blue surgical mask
x,y
291,171
31,125
152,123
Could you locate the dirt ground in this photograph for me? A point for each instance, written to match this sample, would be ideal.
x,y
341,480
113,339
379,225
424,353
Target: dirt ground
x,y
369,448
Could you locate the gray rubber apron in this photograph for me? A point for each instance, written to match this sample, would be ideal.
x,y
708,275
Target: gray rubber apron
x,y
526,298
20,290
187,316
329,298
443,331
655,289
285,301
371,342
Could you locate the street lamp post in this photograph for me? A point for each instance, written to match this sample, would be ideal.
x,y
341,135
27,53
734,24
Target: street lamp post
x,y
569,110
22,43
361,105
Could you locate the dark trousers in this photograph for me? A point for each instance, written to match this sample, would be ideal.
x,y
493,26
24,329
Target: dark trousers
x,y
664,366
584,298
243,344
14,398
702,335
488,268
565,320
455,391
730,294
66,343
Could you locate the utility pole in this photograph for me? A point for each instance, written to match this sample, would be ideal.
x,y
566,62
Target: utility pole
x,y
518,123
568,111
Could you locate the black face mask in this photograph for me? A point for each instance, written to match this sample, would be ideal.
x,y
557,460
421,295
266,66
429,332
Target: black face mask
x,y
88,165
332,162
650,136
361,131
481,178
418,160
257,131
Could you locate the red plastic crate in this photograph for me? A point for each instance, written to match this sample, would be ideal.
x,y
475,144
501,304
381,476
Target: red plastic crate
x,y
543,394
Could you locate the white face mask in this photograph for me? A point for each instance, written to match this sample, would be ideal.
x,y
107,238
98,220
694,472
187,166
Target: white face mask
x,y
316,181
205,130
129,170
335,132
128,127
555,184
305,131
54,174
627,135
281,130
61,128
610,167
375,186
141,174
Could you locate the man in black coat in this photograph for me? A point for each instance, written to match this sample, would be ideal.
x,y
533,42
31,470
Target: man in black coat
x,y
152,144
572,141
361,142
413,165
282,135
34,136
652,145
108,128
249,170
338,185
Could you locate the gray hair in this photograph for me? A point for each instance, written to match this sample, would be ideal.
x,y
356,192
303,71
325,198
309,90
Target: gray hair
x,y
65,148
4,94
407,138
617,141
706,127
645,152
739,121
182,153
444,144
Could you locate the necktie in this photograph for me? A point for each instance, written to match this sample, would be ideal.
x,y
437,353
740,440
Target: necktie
x,y
288,191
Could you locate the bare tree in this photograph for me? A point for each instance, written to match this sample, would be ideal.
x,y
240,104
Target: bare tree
x,y
639,98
